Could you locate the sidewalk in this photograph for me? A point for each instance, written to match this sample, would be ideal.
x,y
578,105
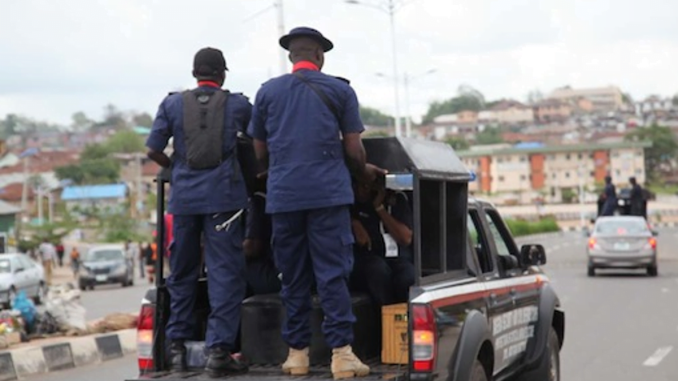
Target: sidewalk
x,y
58,353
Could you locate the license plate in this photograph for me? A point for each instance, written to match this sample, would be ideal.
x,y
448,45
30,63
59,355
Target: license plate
x,y
622,246
101,278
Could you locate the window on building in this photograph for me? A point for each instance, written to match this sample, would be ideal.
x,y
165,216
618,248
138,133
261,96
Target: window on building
x,y
567,157
617,172
501,179
591,156
500,159
592,174
522,178
567,175
523,159
553,175
580,156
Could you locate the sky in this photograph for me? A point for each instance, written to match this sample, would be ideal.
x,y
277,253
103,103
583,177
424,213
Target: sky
x,y
59,57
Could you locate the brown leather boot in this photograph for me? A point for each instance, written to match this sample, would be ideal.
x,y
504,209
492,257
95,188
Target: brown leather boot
x,y
345,364
297,362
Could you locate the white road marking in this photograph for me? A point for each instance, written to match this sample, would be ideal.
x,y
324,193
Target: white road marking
x,y
665,290
556,247
658,356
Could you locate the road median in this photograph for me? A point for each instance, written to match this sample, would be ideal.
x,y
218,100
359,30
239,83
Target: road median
x,y
58,353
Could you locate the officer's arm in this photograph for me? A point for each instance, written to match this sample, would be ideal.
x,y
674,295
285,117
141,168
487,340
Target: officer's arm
x,y
158,138
257,130
261,152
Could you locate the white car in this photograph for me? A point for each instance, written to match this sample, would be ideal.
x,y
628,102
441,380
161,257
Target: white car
x,y
18,272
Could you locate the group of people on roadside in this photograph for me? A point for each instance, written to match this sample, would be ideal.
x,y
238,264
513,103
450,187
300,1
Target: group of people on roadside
x,y
608,201
323,218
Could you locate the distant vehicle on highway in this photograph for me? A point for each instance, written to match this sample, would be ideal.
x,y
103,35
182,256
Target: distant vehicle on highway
x,y
18,272
106,264
622,242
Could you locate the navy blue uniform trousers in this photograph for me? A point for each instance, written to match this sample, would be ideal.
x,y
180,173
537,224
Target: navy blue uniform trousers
x,y
315,242
225,263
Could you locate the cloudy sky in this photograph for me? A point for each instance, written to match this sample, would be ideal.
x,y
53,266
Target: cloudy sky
x,y
59,57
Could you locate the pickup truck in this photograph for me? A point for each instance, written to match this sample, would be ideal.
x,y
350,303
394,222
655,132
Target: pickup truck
x,y
481,308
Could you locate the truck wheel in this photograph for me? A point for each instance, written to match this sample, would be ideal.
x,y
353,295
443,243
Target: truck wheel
x,y
652,270
553,348
478,373
591,271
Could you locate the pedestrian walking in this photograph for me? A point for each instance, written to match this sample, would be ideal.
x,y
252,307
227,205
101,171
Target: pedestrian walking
x,y
207,200
142,260
306,128
75,261
60,251
47,257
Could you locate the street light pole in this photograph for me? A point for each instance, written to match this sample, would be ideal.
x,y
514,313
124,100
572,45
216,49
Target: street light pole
x,y
391,12
408,117
281,32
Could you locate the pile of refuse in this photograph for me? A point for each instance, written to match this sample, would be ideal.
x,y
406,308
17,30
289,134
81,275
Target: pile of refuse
x,y
62,315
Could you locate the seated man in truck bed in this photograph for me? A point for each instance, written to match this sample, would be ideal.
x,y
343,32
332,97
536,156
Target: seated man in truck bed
x,y
382,226
260,273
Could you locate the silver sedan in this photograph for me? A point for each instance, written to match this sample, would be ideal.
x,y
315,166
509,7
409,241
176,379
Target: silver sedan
x,y
18,272
622,242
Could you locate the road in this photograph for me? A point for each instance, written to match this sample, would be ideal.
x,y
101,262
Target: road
x,y
620,326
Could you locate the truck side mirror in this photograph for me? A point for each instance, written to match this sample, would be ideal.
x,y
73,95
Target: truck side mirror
x,y
532,255
508,262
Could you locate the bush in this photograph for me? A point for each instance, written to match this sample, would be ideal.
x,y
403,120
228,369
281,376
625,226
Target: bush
x,y
522,228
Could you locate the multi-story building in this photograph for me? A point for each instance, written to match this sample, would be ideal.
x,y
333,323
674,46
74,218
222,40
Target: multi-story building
x,y
512,112
602,99
552,169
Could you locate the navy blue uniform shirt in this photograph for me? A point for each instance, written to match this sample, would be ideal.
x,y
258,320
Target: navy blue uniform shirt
x,y
365,213
204,191
306,162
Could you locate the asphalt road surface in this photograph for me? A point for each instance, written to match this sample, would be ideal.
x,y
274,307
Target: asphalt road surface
x,y
620,325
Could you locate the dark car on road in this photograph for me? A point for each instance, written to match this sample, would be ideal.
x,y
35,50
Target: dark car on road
x,y
481,308
105,265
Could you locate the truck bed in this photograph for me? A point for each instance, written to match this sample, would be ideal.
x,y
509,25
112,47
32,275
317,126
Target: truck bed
x,y
378,371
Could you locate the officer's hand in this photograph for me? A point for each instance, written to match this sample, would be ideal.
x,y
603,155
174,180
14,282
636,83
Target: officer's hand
x,y
372,172
380,196
362,238
262,175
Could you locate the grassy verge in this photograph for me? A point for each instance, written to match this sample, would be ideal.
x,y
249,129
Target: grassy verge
x,y
522,228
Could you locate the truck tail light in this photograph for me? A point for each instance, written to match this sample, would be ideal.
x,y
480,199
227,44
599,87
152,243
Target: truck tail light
x,y
592,243
424,338
145,338
653,243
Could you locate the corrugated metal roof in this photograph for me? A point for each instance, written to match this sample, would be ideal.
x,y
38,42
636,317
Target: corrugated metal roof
x,y
6,209
93,192
558,148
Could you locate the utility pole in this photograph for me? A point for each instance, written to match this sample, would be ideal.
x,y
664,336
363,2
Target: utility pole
x,y
391,12
281,32
24,191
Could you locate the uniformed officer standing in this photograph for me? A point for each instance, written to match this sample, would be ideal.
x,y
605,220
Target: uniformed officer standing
x,y
610,197
207,198
306,129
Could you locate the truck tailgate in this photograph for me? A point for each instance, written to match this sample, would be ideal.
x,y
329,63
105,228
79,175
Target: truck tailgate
x,y
273,373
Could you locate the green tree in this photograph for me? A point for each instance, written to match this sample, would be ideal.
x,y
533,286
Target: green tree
x,y
467,99
490,135
124,141
458,144
80,121
94,151
374,117
658,158
143,119
114,117
71,172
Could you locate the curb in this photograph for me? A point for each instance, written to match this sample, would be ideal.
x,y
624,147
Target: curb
x,y
67,354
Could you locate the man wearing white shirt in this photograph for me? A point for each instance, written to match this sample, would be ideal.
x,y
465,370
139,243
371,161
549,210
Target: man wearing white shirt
x,y
47,255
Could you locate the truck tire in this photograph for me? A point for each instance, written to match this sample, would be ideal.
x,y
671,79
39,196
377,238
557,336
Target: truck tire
x,y
652,270
548,368
553,353
478,373
591,271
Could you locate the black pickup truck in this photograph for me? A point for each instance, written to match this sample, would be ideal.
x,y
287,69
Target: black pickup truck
x,y
481,308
